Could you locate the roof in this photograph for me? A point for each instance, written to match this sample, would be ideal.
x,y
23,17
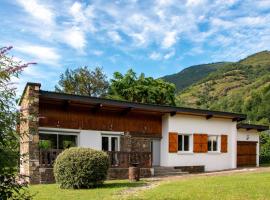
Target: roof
x,y
141,106
252,126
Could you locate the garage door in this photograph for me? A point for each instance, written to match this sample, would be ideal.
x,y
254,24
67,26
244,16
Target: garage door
x,y
246,154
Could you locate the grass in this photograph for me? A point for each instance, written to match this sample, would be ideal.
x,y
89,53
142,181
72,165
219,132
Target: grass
x,y
246,186
107,191
237,187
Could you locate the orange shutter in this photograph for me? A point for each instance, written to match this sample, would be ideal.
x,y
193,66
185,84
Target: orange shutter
x,y
196,143
224,143
173,142
200,143
204,143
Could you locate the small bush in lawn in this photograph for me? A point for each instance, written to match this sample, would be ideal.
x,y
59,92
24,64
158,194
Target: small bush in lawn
x,y
81,168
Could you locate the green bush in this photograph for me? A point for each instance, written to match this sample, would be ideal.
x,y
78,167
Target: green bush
x,y
265,148
81,168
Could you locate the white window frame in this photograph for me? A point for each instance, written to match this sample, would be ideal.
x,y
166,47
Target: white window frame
x,y
218,144
110,136
190,142
57,132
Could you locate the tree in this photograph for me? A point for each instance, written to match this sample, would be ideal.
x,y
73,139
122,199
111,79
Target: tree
x,y
83,81
9,138
141,89
265,147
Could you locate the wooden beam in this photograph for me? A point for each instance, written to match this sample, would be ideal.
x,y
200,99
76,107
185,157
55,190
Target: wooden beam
x,y
97,108
173,113
126,111
66,105
235,119
209,116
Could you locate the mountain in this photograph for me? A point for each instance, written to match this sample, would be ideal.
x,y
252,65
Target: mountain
x,y
192,74
242,87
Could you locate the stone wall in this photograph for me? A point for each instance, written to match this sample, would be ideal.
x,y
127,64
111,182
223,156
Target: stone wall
x,y
192,169
130,143
46,175
122,173
29,133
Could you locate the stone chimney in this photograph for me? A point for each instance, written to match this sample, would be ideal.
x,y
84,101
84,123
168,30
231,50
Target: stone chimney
x,y
29,137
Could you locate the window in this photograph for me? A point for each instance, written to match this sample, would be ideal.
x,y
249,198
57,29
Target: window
x,y
212,143
184,142
57,141
110,143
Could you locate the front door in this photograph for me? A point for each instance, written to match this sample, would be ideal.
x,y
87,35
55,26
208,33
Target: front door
x,y
155,148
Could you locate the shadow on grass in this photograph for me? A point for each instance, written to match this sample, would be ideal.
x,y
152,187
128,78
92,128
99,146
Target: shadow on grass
x,y
121,185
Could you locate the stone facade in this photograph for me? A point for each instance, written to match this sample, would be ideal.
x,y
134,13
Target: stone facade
x,y
122,173
46,175
130,143
29,133
192,169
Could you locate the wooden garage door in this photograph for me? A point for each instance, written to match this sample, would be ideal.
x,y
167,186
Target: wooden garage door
x,y
246,154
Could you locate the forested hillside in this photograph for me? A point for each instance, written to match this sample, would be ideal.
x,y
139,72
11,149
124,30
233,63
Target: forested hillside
x,y
192,74
242,87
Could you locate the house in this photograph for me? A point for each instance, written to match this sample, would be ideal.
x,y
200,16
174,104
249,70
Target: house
x,y
151,135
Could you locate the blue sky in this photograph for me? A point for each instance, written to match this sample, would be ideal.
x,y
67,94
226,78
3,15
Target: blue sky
x,y
153,37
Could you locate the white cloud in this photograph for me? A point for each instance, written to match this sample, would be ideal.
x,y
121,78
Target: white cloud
x,y
155,56
162,24
97,52
38,10
40,54
192,3
76,12
75,37
114,35
169,55
169,39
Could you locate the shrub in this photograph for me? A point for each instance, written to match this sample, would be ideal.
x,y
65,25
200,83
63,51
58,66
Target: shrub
x,y
81,168
265,148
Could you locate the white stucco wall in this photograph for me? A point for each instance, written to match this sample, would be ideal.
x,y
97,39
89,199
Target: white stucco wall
x,y
250,135
90,139
195,124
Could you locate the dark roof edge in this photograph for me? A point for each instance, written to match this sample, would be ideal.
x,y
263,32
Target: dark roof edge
x,y
28,84
252,126
161,108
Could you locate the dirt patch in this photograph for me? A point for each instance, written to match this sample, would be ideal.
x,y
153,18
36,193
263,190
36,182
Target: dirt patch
x,y
149,184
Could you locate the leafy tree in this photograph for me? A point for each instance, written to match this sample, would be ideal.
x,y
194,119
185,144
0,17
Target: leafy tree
x,y
265,148
10,188
141,89
83,81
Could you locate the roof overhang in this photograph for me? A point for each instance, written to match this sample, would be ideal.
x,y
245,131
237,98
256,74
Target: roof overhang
x,y
130,106
252,127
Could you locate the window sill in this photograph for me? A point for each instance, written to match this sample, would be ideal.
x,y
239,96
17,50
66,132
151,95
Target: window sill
x,y
185,153
214,152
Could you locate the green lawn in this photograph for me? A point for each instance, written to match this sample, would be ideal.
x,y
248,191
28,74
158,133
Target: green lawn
x,y
53,192
233,187
246,186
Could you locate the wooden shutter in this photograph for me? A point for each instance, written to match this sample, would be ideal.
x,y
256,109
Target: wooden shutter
x,y
200,143
224,143
196,143
204,143
173,142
